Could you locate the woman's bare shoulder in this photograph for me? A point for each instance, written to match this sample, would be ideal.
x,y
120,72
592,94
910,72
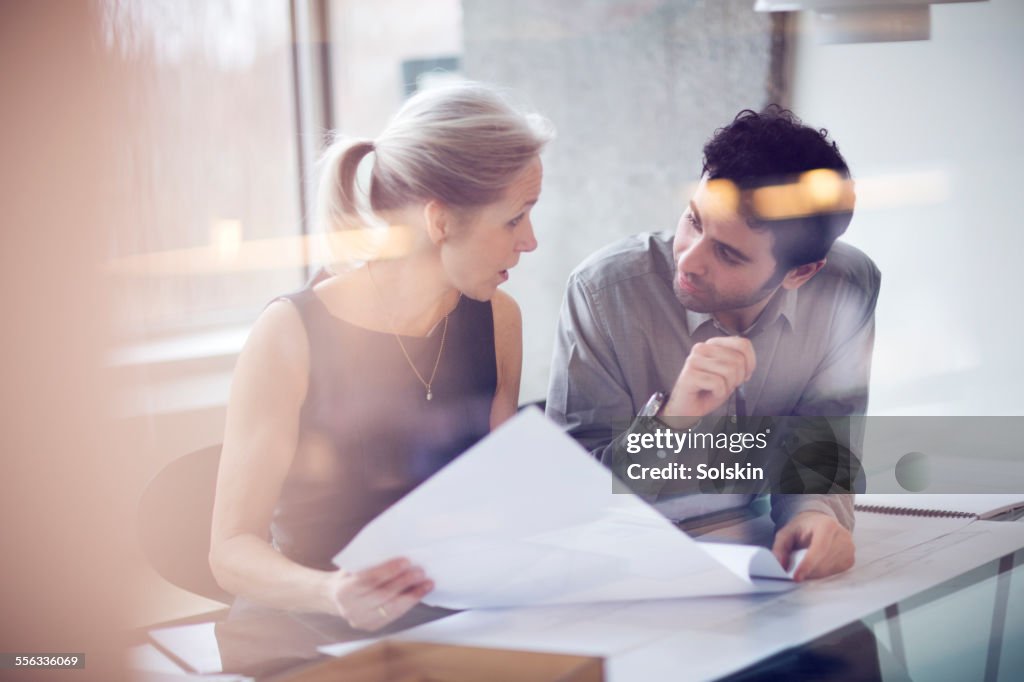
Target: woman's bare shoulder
x,y
507,315
277,341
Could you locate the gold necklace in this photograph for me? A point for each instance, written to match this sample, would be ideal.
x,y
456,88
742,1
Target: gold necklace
x,y
391,322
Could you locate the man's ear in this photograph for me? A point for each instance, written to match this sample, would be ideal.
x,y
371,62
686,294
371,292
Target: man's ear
x,y
439,221
799,275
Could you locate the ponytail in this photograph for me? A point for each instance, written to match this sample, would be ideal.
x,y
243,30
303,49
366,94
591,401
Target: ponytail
x,y
339,206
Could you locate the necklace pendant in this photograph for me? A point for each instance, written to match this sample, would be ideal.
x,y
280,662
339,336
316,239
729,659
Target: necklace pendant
x,y
430,394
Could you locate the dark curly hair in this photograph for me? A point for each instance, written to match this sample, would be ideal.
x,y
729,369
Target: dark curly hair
x,y
774,147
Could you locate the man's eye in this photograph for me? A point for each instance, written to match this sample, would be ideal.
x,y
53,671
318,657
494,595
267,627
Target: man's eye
x,y
518,219
693,222
726,256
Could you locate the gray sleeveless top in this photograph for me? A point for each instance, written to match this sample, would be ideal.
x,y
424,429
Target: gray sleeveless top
x,y
370,435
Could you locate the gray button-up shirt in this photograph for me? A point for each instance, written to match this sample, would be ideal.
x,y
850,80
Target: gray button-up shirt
x,y
623,335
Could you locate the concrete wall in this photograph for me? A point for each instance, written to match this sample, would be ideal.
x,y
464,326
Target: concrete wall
x,y
634,89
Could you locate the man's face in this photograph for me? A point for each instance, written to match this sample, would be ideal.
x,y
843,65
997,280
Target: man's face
x,y
721,263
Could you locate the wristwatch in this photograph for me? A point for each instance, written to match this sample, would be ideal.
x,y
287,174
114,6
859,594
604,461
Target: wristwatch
x,y
653,405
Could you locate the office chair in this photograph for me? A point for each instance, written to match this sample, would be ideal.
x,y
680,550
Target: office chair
x,y
175,512
174,522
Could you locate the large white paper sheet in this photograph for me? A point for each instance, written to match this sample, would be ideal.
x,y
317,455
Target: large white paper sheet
x,y
527,517
702,639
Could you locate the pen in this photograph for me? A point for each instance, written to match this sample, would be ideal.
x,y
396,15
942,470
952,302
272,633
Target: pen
x,y
741,402
740,396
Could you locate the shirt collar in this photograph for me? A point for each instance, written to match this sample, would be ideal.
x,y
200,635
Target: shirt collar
x,y
783,304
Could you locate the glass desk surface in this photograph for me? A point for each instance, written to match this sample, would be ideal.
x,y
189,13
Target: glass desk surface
x,y
968,628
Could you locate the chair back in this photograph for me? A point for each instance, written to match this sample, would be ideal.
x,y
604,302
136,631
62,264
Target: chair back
x,y
175,513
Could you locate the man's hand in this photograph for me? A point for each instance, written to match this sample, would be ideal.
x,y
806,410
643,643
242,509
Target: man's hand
x,y
829,545
712,371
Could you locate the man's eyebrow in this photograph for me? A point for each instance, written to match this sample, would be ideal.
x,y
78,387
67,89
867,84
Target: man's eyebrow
x,y
733,251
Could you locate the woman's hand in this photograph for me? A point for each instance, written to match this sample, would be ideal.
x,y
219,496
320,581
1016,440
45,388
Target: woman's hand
x,y
377,596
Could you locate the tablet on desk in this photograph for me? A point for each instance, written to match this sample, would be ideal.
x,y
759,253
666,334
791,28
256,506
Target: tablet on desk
x,y
252,645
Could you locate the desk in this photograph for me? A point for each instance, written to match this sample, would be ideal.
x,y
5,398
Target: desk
x,y
967,626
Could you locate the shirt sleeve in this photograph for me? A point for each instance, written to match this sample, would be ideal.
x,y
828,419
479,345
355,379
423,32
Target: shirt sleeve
x,y
587,392
839,389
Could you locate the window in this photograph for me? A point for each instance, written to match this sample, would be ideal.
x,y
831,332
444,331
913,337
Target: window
x,y
208,164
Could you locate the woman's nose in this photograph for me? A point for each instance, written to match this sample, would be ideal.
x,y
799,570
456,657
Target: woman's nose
x,y
528,242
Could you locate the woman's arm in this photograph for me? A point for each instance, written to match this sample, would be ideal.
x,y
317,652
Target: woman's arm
x,y
508,350
260,438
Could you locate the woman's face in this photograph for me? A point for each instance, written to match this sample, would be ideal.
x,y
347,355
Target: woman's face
x,y
480,252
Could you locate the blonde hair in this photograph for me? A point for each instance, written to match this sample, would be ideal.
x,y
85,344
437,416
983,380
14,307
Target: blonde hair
x,y
461,144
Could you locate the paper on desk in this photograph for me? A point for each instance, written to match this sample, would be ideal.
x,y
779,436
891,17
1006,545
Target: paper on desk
x,y
527,517
757,562
710,638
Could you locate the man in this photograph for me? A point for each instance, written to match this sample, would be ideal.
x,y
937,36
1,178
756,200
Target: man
x,y
749,308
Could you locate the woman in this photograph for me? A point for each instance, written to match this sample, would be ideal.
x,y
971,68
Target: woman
x,y
351,392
